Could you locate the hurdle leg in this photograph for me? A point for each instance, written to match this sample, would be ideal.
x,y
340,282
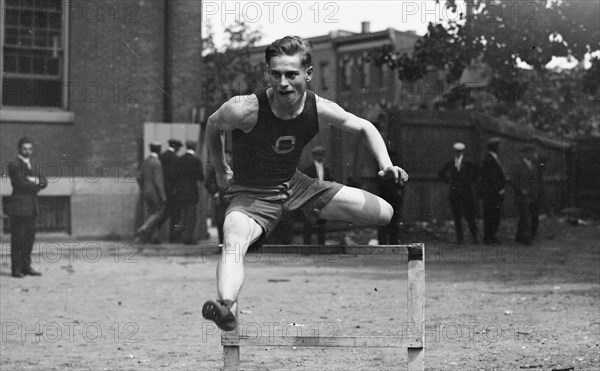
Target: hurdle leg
x,y
416,307
231,353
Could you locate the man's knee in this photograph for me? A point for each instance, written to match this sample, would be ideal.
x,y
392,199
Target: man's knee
x,y
240,230
386,214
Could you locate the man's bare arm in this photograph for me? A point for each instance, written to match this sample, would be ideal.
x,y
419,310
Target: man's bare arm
x,y
331,113
238,113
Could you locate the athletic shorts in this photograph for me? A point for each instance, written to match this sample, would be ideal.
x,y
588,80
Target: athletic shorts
x,y
266,205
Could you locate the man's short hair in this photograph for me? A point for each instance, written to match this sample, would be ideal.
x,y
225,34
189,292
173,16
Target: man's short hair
x,y
155,147
319,150
190,144
23,141
289,45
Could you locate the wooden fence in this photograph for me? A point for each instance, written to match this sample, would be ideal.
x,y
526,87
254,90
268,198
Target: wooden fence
x,y
423,141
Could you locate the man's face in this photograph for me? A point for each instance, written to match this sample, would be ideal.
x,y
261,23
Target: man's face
x,y
26,150
457,153
288,78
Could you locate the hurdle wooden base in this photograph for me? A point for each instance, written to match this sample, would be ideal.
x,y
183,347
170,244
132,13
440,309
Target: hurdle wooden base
x,y
414,343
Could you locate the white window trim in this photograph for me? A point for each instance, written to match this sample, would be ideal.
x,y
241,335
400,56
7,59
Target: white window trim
x,y
35,114
40,114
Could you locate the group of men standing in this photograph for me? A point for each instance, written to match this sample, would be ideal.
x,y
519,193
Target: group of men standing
x,y
169,188
489,181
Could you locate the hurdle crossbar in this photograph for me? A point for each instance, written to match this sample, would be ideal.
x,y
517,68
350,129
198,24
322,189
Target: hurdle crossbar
x,y
413,341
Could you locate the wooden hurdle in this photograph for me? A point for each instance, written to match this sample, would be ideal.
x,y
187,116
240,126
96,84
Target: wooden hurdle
x,y
413,340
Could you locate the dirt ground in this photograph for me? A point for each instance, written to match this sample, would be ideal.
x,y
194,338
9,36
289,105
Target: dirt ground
x,y
505,307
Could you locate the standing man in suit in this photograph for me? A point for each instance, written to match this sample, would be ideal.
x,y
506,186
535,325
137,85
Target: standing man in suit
x,y
219,204
526,185
190,175
151,182
171,173
461,174
23,208
319,171
492,191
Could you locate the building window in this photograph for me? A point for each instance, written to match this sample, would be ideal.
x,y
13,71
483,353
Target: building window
x,y
55,215
33,53
365,72
324,73
347,67
384,76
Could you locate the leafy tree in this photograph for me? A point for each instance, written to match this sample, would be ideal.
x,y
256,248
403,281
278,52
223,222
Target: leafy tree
x,y
503,33
591,79
227,70
556,103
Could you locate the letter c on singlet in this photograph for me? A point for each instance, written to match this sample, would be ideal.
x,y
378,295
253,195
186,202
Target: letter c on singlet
x,y
285,144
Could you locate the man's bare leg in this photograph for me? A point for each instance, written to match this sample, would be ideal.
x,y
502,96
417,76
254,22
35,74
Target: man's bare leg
x,y
240,231
355,205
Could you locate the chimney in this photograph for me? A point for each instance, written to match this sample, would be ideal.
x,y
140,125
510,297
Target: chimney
x,y
365,27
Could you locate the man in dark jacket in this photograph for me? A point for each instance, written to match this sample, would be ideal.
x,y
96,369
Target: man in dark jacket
x,y
461,174
191,173
318,170
171,174
526,185
23,208
151,182
219,205
492,191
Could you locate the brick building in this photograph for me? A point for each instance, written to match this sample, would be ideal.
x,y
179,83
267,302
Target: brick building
x,y
81,78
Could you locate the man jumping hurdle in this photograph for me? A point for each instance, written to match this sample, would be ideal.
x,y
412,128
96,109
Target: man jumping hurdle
x,y
269,130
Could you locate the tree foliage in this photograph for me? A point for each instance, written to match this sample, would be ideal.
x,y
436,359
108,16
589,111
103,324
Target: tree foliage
x,y
504,34
227,70
556,103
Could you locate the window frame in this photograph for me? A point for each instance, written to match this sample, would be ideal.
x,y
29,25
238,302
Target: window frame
x,y
58,114
324,66
347,62
384,76
366,80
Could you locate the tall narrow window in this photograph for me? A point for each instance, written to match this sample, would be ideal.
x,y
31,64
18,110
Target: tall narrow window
x,y
365,72
384,75
33,53
324,73
347,67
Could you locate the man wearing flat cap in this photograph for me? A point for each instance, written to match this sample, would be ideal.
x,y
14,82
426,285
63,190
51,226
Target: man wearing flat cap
x,y
462,175
316,170
151,182
171,171
525,181
492,191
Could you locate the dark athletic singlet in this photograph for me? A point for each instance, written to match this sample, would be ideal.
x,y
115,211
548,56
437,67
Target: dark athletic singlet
x,y
269,154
